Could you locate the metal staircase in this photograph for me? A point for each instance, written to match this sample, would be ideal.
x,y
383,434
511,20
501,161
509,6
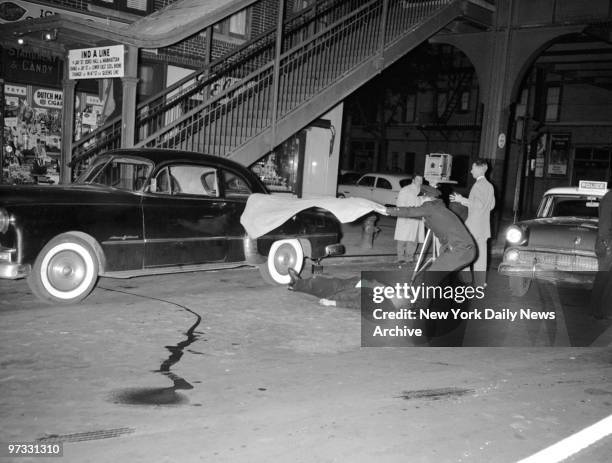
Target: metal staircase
x,y
243,105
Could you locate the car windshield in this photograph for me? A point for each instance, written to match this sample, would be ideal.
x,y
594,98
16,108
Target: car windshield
x,y
569,206
123,173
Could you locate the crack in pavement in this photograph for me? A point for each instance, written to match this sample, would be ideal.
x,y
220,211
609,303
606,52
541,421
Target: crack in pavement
x,y
162,396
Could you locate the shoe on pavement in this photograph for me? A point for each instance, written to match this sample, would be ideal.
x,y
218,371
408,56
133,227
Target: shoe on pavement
x,y
295,276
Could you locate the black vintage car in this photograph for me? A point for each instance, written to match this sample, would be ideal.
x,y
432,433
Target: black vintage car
x,y
143,211
557,246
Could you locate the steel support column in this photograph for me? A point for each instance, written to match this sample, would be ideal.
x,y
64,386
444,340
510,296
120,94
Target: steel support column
x,y
277,61
496,110
383,32
128,106
68,87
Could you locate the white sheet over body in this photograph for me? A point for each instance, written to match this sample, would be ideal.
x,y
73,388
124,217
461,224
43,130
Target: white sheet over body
x,y
264,213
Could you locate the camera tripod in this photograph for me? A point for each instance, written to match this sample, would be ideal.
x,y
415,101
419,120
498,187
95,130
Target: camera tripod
x,y
421,262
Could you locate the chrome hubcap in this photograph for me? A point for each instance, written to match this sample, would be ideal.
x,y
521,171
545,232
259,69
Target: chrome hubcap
x,y
285,257
66,270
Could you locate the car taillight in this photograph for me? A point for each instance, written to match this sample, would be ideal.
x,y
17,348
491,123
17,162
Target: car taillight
x,y
4,220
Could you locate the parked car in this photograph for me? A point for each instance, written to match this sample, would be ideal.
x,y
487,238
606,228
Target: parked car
x,y
143,211
559,244
348,177
381,188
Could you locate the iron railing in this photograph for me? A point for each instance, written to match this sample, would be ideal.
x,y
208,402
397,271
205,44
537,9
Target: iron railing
x,y
222,106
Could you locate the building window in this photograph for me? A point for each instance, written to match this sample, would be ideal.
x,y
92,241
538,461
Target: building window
x,y
141,7
410,113
592,163
464,102
442,99
553,103
235,26
300,5
521,105
237,23
520,114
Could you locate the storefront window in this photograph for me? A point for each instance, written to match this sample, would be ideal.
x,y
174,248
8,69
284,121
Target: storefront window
x,y
32,129
280,170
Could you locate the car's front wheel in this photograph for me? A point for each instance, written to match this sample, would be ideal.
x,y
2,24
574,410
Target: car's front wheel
x,y
283,255
519,286
66,270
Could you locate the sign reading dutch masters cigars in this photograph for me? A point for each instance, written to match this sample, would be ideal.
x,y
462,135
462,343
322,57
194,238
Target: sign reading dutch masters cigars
x,y
96,63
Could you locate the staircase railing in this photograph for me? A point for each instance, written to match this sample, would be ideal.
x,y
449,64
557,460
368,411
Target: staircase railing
x,y
224,105
170,103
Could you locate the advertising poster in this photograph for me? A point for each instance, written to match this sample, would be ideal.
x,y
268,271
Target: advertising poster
x,y
558,154
540,155
88,114
47,129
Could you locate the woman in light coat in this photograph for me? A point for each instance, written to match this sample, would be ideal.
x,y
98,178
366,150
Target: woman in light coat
x,y
409,232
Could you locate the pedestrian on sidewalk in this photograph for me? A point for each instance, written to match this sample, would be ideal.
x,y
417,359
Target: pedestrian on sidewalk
x,y
409,232
480,203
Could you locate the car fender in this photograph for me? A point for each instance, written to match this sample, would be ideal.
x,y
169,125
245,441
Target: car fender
x,y
96,247
251,253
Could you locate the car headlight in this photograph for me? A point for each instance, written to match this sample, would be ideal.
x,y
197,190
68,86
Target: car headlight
x,y
512,255
515,235
5,219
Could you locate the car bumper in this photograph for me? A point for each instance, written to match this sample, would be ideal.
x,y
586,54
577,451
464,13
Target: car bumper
x,y
547,273
11,271
334,250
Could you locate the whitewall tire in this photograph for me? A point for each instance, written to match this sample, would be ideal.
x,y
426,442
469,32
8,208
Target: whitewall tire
x,y
284,254
66,270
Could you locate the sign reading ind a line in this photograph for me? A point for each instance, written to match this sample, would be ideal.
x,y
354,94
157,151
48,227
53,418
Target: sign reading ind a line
x,y
96,63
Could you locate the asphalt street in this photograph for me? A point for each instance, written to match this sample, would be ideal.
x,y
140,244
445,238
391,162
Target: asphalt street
x,y
220,367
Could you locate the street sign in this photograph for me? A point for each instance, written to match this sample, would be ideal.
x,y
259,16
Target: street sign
x,y
96,63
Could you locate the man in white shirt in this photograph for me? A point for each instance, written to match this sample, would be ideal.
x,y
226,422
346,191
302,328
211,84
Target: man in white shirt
x,y
480,203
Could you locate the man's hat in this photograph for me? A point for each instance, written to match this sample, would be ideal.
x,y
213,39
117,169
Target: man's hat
x,y
427,190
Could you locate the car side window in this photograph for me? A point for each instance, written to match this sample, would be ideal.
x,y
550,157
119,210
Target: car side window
x,y
366,181
185,179
405,181
124,174
162,183
383,183
235,186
